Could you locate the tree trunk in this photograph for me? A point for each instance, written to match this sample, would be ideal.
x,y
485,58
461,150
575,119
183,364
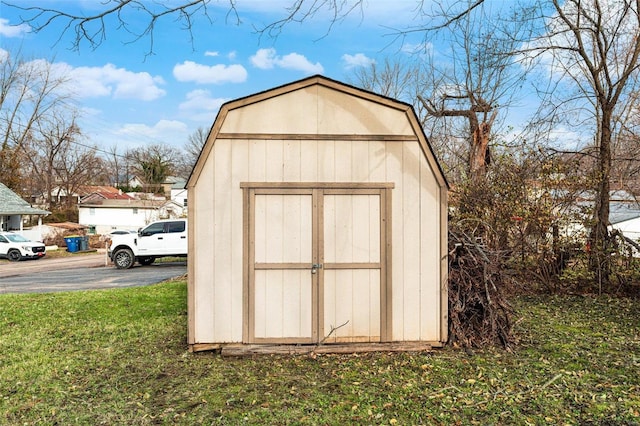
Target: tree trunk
x,y
478,154
600,256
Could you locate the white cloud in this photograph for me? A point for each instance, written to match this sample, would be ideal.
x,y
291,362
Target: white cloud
x,y
268,59
108,80
163,131
201,100
11,31
200,106
357,60
205,74
211,53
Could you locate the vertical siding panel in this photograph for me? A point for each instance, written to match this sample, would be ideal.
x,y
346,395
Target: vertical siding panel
x,y
260,296
222,224
430,240
274,160
374,229
362,220
309,161
291,160
393,166
341,224
330,296
343,304
343,161
257,160
360,161
411,240
274,229
240,173
361,298
296,304
326,161
374,303
203,298
274,308
330,229
377,165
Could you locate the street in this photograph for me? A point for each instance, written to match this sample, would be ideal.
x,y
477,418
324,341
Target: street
x,y
80,272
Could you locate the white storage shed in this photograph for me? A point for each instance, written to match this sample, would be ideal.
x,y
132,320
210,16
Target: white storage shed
x,y
317,214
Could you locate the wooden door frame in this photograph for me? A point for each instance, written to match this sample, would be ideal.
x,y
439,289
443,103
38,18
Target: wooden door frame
x,y
316,190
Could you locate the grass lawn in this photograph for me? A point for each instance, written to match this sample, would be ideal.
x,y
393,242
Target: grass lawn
x,y
119,357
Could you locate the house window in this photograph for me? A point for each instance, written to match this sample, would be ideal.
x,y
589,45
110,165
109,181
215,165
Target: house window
x,y
92,229
92,211
135,210
184,203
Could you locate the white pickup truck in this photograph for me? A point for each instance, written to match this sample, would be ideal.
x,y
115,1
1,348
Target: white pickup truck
x,y
158,239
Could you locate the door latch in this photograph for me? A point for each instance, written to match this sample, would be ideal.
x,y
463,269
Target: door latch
x,y
315,267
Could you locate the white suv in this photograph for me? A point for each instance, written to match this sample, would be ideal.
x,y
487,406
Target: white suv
x,y
158,239
16,247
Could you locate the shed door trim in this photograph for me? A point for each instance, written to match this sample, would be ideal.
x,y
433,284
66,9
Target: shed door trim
x,y
316,191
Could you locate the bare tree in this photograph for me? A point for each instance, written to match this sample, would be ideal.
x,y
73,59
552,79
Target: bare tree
x,y
594,51
154,163
194,145
56,162
481,80
92,28
30,95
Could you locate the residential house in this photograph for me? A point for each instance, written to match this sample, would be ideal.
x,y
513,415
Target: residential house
x,y
13,210
102,216
179,192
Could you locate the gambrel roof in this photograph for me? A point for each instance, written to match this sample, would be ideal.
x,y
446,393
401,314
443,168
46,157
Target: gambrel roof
x,y
357,112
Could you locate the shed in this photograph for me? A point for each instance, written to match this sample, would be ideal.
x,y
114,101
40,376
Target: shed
x,y
317,214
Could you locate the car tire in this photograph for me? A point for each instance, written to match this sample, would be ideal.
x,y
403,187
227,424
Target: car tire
x,y
123,258
14,255
146,260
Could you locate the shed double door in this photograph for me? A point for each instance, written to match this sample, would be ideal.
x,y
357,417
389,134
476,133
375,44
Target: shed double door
x,y
316,263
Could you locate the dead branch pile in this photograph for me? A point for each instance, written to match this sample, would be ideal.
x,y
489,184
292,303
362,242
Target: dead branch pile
x,y
479,313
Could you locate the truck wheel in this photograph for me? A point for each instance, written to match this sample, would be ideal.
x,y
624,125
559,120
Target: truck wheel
x,y
146,260
14,255
123,258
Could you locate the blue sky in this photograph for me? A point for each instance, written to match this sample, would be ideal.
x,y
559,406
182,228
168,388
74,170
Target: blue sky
x,y
129,98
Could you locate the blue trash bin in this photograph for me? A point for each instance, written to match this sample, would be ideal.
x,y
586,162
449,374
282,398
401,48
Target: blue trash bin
x,y
72,244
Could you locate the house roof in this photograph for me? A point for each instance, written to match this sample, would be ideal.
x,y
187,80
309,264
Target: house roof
x,y
126,204
179,184
103,191
319,80
623,211
11,203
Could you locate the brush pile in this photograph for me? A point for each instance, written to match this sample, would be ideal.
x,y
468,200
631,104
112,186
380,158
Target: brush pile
x,y
479,313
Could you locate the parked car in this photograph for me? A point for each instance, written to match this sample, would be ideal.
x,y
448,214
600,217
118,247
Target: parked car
x,y
158,239
15,247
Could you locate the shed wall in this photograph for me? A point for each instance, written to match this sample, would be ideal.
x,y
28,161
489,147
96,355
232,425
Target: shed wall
x,y
216,209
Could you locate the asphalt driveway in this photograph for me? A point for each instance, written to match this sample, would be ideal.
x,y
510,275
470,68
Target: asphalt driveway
x,y
81,272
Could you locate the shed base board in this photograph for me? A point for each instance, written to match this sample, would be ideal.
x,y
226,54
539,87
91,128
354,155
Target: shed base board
x,y
237,350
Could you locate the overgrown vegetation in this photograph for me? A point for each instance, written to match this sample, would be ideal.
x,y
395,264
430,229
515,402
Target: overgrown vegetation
x,y
119,357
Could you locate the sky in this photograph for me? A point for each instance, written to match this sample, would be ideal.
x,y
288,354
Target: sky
x,y
131,98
